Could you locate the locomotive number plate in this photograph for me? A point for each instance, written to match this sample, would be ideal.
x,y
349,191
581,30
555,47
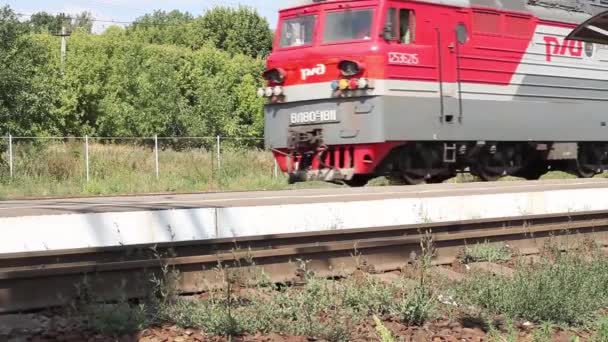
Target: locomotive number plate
x,y
313,117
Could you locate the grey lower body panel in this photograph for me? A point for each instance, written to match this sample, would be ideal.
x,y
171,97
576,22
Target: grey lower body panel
x,y
420,120
358,121
397,118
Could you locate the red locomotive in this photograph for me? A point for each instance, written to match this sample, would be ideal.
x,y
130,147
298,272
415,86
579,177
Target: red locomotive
x,y
420,90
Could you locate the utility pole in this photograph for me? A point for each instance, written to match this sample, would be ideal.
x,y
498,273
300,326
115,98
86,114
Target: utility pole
x,y
64,45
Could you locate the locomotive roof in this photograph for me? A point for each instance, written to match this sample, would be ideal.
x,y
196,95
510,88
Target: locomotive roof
x,y
572,11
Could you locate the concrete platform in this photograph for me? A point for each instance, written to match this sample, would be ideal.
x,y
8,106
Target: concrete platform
x,y
38,225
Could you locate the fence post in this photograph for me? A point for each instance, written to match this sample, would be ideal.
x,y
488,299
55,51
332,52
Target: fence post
x,y
10,155
219,158
86,157
156,161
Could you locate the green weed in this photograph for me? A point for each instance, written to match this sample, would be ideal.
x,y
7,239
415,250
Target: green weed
x,y
543,333
367,296
416,307
601,331
566,291
486,252
383,333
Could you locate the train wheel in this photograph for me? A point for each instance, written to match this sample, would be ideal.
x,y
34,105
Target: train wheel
x,y
441,178
496,161
534,167
413,165
358,181
588,161
534,171
490,166
583,172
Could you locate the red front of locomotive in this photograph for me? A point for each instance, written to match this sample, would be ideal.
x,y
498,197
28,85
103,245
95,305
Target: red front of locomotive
x,y
321,79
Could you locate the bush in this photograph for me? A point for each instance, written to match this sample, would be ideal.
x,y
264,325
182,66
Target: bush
x,y
565,291
486,252
367,296
416,307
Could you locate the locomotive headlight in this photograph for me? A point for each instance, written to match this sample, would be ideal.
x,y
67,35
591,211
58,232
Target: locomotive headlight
x,y
277,91
261,92
363,83
268,92
343,84
350,68
274,76
353,84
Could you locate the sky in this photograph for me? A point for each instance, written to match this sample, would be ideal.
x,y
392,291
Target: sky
x,y
128,10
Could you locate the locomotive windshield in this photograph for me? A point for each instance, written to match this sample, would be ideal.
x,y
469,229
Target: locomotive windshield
x,y
348,25
298,31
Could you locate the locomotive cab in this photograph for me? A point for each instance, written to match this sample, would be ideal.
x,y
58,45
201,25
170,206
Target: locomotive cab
x,y
321,118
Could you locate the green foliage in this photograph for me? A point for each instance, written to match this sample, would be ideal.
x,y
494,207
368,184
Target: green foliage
x,y
26,101
384,334
543,333
43,22
163,28
239,30
486,252
416,307
235,30
141,81
367,296
117,318
565,291
601,330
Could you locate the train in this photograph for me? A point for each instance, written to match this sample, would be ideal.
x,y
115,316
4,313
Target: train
x,y
421,90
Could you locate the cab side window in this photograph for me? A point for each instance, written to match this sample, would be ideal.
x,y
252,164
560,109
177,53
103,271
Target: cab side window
x,y
407,26
402,25
391,22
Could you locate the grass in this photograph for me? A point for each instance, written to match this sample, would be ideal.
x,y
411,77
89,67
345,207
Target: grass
x,y
321,308
57,169
601,330
486,252
568,290
561,292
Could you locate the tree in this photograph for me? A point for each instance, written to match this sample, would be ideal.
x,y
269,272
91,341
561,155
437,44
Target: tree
x,y
139,81
240,30
43,22
26,101
83,20
163,27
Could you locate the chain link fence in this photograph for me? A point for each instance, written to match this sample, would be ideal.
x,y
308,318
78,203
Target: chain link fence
x,y
57,165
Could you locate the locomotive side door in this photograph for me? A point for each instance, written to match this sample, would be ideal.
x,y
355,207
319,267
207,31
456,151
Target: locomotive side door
x,y
410,56
421,55
448,68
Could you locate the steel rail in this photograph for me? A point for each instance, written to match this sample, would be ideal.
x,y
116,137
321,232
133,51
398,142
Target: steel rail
x,y
38,280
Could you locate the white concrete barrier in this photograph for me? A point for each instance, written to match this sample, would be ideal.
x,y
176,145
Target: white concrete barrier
x,y
72,231
251,221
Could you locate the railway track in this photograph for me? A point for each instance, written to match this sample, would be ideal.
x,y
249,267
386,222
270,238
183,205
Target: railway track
x,y
30,281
